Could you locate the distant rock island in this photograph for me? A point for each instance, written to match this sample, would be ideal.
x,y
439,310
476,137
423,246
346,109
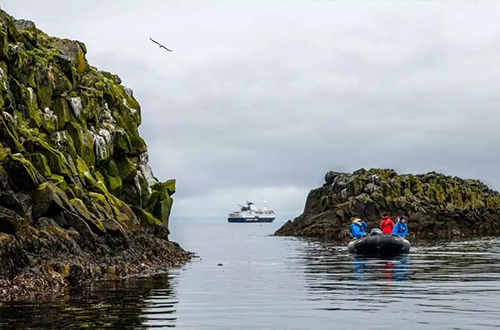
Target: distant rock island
x,y
78,199
436,206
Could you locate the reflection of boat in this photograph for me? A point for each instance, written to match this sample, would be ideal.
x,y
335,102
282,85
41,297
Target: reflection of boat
x,y
400,270
379,244
386,268
250,213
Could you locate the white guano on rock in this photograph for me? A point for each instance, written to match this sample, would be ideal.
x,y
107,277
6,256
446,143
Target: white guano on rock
x,y
103,144
76,105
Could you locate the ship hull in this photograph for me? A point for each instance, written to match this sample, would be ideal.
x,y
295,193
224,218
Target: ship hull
x,y
250,220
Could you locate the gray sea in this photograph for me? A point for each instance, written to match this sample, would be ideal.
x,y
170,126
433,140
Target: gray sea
x,y
244,278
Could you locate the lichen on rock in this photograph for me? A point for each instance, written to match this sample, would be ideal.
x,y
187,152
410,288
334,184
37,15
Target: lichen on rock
x,y
436,205
72,162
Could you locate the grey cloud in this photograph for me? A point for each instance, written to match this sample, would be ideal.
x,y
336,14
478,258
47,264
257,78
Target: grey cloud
x,y
267,96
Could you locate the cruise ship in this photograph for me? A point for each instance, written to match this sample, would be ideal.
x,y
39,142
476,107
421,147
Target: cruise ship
x,y
250,213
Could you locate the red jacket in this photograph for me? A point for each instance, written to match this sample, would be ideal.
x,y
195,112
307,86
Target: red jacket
x,y
386,225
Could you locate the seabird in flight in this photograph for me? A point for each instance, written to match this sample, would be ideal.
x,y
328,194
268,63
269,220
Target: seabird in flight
x,y
161,46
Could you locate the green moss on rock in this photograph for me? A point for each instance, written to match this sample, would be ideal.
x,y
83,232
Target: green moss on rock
x,y
83,142
69,139
48,199
9,137
162,210
4,153
40,163
85,214
62,111
167,188
146,218
22,173
111,176
126,169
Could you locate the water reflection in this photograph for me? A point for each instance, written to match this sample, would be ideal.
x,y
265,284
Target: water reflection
x,y
435,269
436,261
122,304
291,284
393,269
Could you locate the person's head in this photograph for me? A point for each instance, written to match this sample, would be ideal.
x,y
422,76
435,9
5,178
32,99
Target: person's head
x,y
402,219
355,220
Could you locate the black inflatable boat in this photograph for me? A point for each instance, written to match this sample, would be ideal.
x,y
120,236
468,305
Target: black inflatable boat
x,y
379,244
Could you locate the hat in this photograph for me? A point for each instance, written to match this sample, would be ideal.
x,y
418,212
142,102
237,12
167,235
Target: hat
x,y
401,217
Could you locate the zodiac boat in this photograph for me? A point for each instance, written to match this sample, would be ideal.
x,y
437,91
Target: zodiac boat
x,y
379,244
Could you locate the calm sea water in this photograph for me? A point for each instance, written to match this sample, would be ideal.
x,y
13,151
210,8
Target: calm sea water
x,y
246,279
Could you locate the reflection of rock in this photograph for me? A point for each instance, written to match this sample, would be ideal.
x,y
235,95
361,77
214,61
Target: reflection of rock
x,y
436,206
110,304
70,152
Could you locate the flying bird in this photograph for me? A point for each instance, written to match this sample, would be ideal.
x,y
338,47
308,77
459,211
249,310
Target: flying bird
x,y
161,46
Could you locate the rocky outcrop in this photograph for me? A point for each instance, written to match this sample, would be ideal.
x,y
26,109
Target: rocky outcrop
x,y
436,205
76,190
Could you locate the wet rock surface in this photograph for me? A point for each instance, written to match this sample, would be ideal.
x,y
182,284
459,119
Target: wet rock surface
x,y
47,260
78,199
435,205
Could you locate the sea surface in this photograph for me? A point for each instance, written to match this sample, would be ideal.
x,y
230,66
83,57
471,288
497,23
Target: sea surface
x,y
244,278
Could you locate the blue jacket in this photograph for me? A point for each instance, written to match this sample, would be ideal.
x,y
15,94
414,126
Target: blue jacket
x,y
400,229
357,230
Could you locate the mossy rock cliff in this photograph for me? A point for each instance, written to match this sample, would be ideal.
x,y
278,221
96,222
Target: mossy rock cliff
x,y
70,150
436,205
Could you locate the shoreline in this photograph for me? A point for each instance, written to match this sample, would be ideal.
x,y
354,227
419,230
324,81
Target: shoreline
x,y
32,275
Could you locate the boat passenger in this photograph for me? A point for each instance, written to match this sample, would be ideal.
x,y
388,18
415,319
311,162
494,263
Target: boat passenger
x,y
400,228
357,228
386,225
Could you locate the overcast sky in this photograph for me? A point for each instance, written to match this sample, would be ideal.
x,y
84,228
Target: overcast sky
x,y
259,99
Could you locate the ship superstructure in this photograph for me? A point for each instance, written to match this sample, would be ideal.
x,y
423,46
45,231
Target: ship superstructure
x,y
250,213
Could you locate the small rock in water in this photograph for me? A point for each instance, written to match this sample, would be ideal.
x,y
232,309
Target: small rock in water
x,y
219,264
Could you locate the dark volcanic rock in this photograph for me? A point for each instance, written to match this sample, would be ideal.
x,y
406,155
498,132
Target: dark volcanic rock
x,y
8,220
436,205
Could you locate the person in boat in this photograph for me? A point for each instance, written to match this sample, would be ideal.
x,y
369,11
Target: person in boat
x,y
386,225
357,228
400,228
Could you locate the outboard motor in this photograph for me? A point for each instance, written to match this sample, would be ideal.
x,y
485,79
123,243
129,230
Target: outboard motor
x,y
376,231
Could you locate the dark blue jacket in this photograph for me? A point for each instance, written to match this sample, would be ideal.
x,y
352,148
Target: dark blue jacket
x,y
400,229
357,230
